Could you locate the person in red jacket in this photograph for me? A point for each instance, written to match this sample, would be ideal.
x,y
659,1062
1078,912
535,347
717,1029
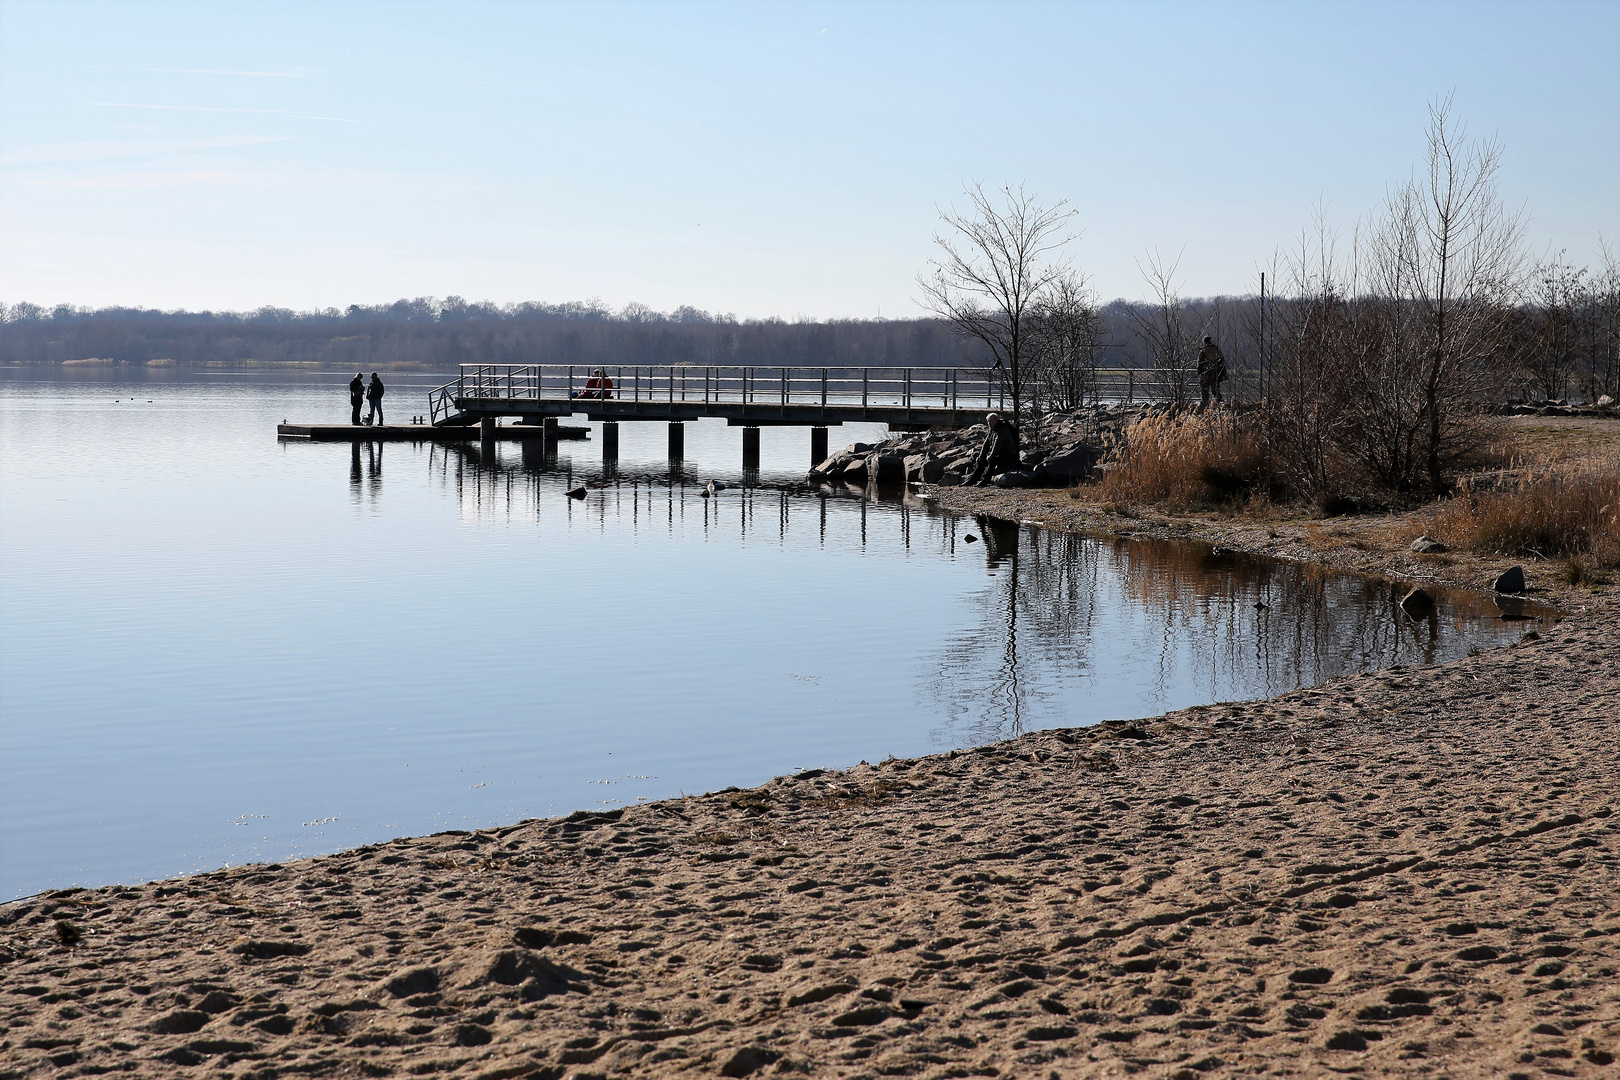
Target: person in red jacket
x,y
597,386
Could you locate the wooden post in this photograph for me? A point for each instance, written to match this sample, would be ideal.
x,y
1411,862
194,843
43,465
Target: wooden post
x,y
610,440
677,441
750,447
818,446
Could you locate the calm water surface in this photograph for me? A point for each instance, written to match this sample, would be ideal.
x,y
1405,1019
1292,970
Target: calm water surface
x,y
219,648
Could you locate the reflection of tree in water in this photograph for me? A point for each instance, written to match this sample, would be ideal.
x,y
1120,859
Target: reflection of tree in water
x,y
1031,644
1166,623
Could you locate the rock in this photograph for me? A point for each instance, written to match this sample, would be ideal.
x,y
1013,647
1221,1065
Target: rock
x,y
950,478
970,539
577,493
1014,478
1069,466
886,467
833,465
854,472
1511,580
923,469
1604,401
1426,545
856,449
1417,602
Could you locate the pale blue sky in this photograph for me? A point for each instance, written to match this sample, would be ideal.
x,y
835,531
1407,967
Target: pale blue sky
x,y
762,159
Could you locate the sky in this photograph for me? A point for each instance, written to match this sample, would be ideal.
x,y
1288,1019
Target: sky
x,y
761,159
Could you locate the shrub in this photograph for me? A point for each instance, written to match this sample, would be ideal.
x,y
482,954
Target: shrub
x,y
1198,459
1567,508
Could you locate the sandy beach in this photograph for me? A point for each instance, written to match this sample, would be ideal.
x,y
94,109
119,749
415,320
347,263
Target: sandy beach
x,y
1413,872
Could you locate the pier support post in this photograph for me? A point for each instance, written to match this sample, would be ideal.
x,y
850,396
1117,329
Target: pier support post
x,y
610,440
750,447
677,442
818,446
486,439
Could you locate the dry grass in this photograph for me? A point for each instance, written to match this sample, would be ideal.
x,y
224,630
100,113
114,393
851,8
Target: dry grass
x,y
1569,508
1203,459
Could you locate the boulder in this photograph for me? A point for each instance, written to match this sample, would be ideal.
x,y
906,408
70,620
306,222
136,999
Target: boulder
x,y
950,478
1014,478
854,472
886,467
1511,580
1417,602
833,465
856,449
921,468
1070,465
1426,545
1604,401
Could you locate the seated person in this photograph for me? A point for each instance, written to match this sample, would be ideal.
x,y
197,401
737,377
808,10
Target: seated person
x,y
999,453
597,386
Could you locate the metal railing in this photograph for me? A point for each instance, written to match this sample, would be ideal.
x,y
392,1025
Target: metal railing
x,y
868,387
914,388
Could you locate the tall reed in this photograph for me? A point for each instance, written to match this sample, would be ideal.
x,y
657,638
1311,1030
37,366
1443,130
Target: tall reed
x,y
1197,459
1552,508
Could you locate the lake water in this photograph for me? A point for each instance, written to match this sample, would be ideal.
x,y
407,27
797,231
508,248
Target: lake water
x,y
217,647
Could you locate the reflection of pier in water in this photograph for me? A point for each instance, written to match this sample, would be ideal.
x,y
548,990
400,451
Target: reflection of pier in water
x,y
1062,629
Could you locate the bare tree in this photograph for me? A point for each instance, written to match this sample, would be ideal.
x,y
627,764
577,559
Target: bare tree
x,y
1068,332
995,263
1600,329
1166,342
1314,336
1552,353
1447,260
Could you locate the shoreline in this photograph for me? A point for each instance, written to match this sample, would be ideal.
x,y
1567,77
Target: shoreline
x,y
1401,871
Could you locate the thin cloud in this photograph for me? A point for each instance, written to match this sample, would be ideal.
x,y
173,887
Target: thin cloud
x,y
209,109
113,149
214,71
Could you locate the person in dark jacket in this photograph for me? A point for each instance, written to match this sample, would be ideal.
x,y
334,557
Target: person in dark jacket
x,y
357,398
374,394
998,454
1211,372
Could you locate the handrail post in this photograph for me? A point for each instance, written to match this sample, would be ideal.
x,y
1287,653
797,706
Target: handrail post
x,y
823,388
863,387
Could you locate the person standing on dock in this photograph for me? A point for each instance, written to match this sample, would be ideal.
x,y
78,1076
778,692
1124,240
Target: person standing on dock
x,y
374,394
357,397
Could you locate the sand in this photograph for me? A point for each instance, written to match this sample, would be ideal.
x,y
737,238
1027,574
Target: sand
x,y
1415,872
